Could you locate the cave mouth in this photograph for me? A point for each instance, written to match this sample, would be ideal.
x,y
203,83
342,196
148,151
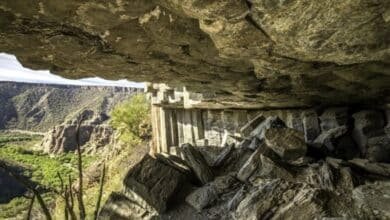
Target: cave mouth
x,y
265,109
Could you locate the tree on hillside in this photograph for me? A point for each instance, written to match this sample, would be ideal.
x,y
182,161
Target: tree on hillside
x,y
131,119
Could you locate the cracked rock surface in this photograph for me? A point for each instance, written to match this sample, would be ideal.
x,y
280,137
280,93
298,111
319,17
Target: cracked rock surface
x,y
246,54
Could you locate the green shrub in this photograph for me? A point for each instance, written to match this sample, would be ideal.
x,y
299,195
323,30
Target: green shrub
x,y
131,119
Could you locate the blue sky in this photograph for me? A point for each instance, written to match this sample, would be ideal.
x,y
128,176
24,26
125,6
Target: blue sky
x,y
12,70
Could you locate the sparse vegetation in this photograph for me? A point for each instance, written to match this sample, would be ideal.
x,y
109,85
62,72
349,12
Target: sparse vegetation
x,y
43,168
131,119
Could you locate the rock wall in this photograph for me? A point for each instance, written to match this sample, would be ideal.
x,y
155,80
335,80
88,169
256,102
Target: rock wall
x,y
256,53
93,134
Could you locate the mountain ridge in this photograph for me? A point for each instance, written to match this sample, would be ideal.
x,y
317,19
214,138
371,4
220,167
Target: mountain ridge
x,y
39,107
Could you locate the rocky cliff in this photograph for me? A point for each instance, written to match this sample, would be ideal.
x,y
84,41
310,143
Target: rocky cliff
x,y
38,107
244,53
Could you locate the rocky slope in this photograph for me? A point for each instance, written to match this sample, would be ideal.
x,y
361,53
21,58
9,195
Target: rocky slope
x,y
335,166
244,53
38,107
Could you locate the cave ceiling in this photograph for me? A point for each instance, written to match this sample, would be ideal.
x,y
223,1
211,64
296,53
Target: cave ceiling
x,y
250,54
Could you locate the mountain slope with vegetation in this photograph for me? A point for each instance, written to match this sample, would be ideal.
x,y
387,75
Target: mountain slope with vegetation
x,y
39,107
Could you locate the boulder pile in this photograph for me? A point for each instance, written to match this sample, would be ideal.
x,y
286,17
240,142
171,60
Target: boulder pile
x,y
336,165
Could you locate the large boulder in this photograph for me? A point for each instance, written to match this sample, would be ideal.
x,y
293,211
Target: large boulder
x,y
153,184
288,143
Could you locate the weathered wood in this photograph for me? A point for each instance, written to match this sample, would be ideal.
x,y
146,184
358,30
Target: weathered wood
x,y
163,131
180,126
155,129
187,127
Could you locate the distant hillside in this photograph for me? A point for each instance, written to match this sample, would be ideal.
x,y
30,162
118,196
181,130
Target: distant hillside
x,y
39,107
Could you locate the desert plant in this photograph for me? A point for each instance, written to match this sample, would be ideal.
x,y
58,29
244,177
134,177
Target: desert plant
x,y
131,119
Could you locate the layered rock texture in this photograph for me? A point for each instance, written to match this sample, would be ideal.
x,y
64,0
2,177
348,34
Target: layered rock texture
x,y
39,107
252,53
92,134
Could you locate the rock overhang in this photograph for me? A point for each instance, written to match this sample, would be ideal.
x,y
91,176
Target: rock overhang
x,y
244,54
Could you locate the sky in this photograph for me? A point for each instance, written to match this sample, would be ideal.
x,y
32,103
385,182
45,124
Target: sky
x,y
12,70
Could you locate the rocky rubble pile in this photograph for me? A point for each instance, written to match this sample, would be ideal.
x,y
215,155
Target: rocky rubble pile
x,y
338,165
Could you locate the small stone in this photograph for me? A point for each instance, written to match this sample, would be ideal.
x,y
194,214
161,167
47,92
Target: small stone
x,y
367,124
202,197
223,184
173,161
378,149
250,166
333,117
288,143
197,163
319,175
245,143
268,169
251,125
254,143
270,122
294,121
372,198
328,138
382,169
118,206
310,125
237,198
223,155
334,162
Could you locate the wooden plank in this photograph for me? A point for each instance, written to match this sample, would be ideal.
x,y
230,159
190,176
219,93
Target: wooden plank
x,y
187,127
156,123
163,131
180,126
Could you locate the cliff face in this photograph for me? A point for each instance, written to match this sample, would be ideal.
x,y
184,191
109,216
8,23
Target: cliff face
x,y
240,53
37,107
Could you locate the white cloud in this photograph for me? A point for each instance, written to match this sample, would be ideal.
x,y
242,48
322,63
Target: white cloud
x,y
12,70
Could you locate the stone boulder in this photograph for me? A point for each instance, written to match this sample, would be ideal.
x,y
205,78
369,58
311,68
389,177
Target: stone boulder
x,y
310,125
269,122
329,137
120,207
288,143
333,118
378,149
367,124
372,201
206,195
197,163
264,201
153,184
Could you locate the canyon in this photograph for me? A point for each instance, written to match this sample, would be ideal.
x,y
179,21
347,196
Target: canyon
x,y
261,109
